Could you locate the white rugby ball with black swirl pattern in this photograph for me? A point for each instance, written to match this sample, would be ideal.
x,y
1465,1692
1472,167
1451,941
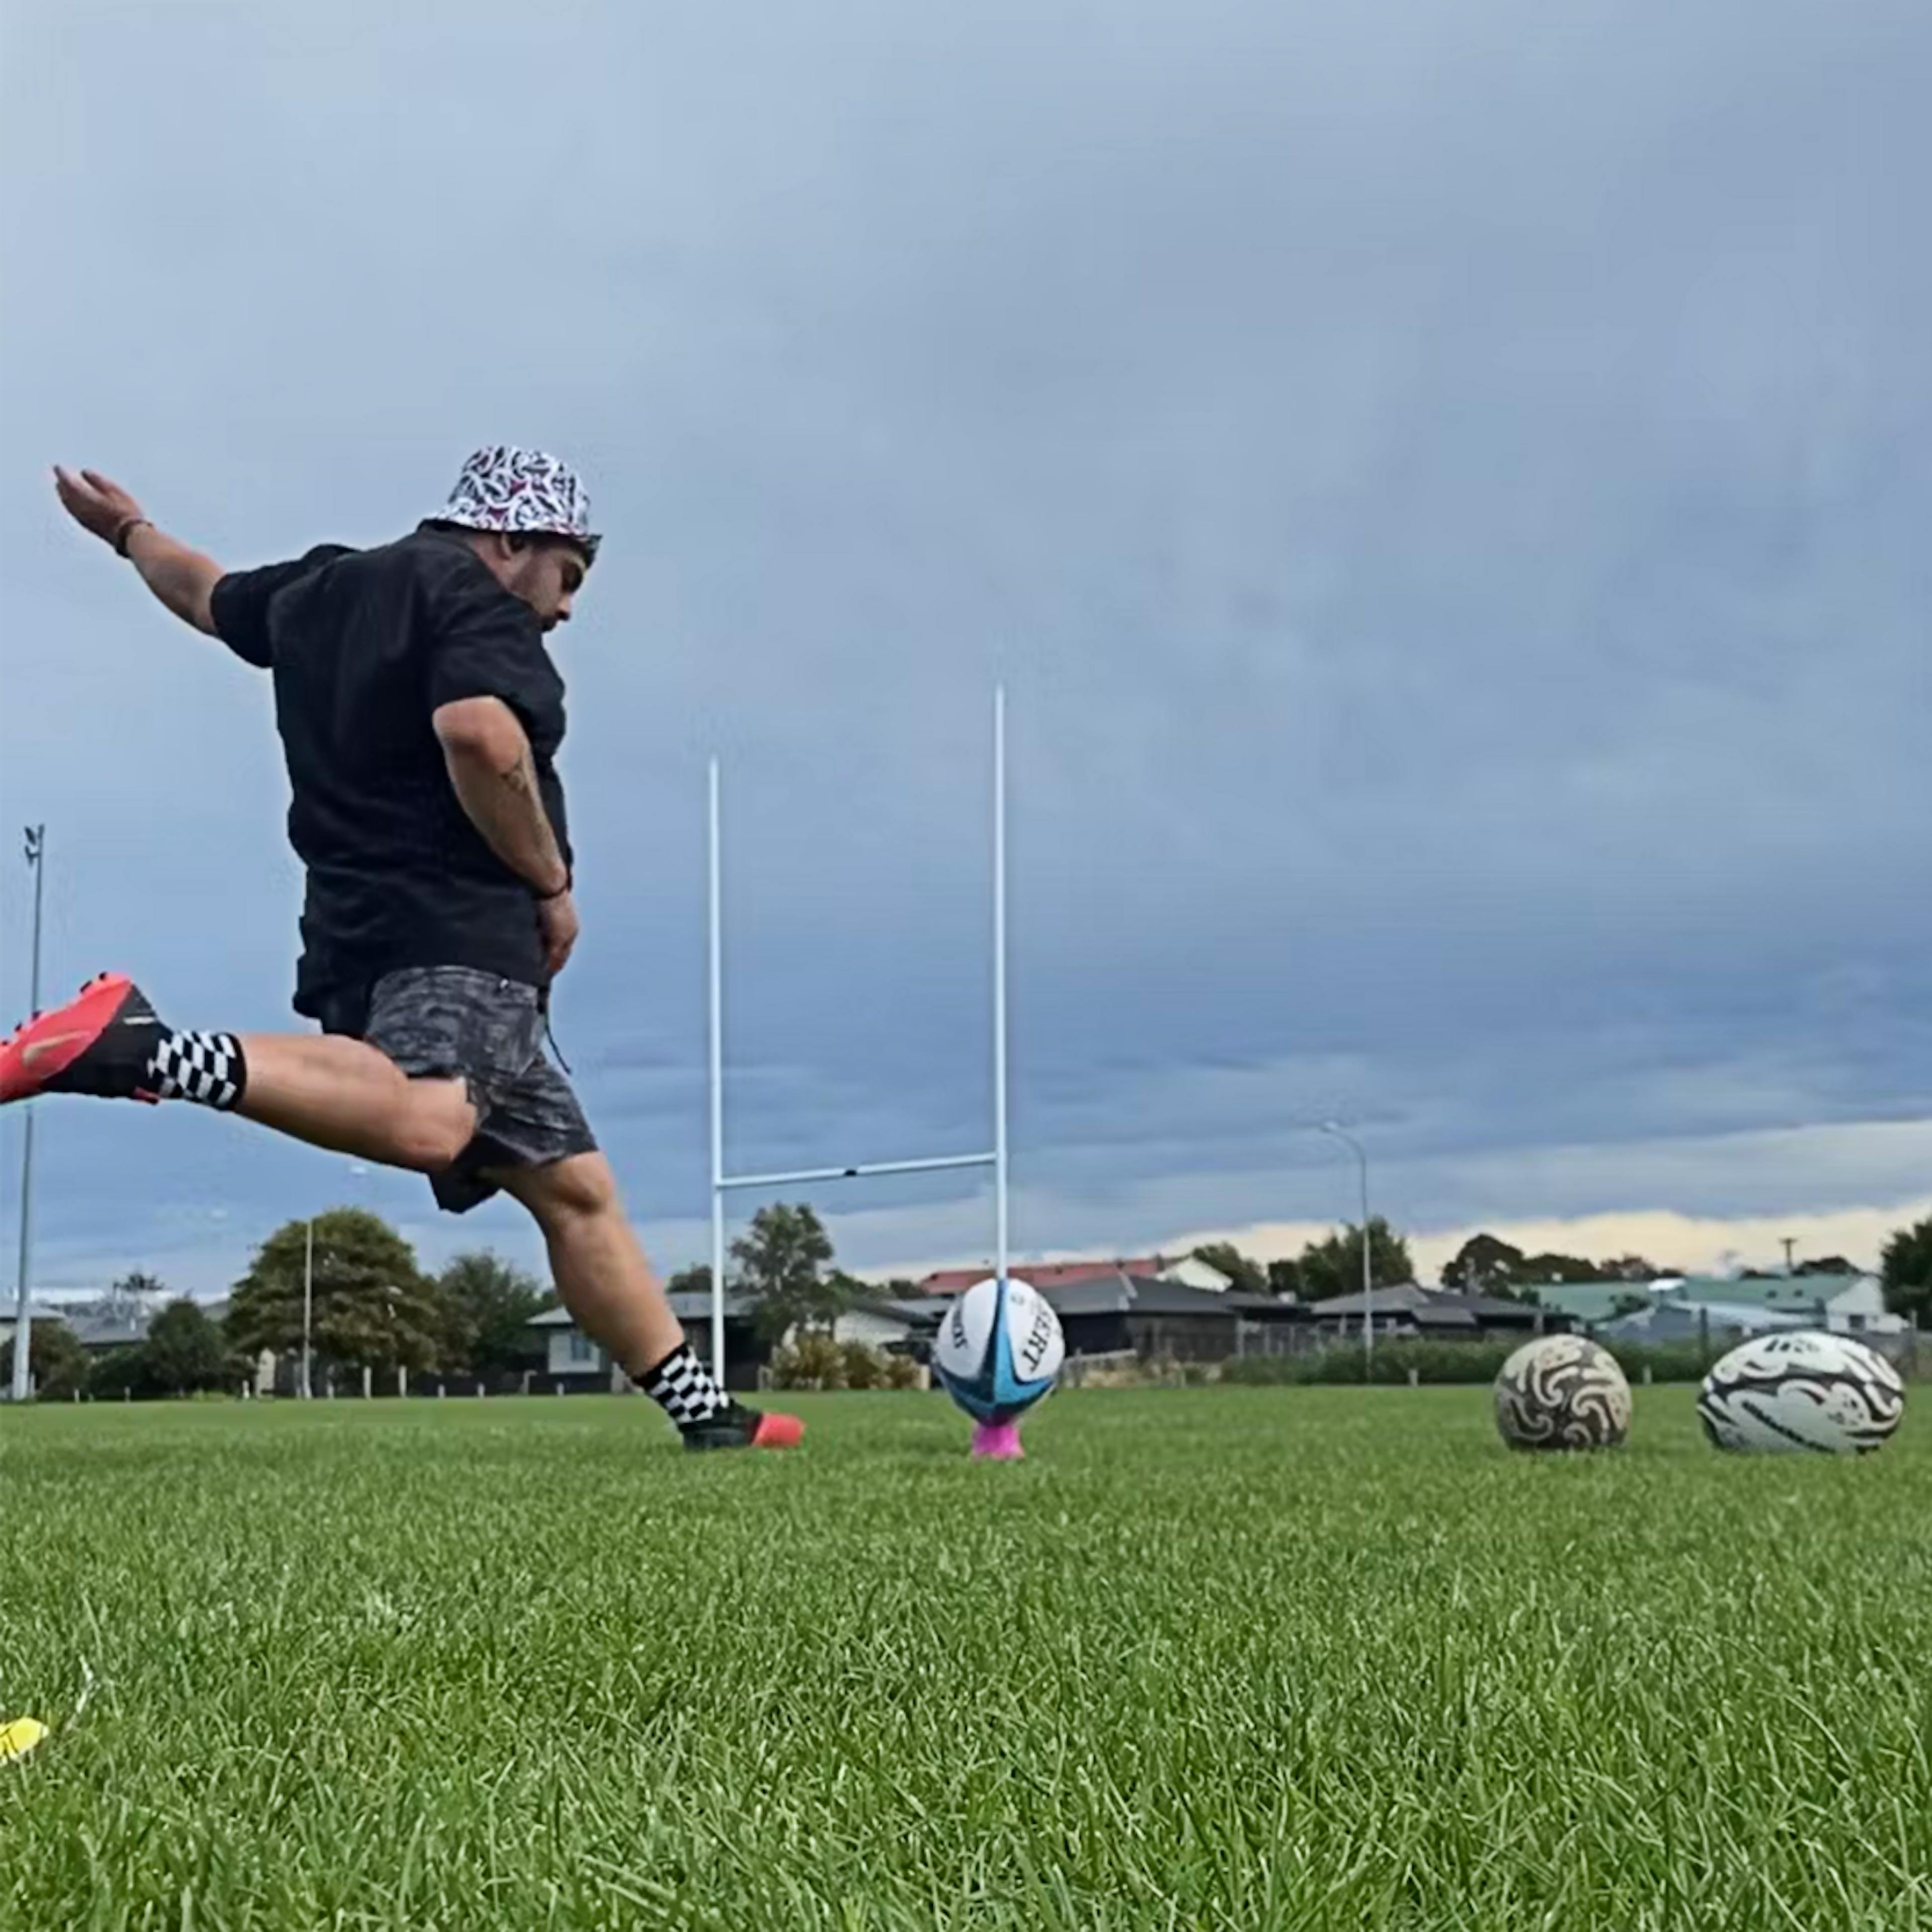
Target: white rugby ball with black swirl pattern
x,y
1806,1390
1562,1392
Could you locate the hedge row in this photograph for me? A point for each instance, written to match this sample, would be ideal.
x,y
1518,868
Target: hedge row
x,y
817,1362
1453,1362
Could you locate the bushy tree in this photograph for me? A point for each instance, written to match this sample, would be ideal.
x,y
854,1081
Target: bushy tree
x,y
785,1263
487,1303
865,1366
120,1371
1486,1264
372,1304
1633,1267
1906,1269
1247,1276
1556,1268
695,1279
1284,1277
57,1362
184,1353
1333,1266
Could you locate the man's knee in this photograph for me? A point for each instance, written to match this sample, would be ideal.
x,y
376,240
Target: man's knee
x,y
433,1126
581,1187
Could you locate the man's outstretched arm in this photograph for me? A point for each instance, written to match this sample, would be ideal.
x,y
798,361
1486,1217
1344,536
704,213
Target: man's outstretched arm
x,y
183,579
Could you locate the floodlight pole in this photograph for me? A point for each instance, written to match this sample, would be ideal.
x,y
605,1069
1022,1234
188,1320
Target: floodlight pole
x,y
1336,1131
23,1311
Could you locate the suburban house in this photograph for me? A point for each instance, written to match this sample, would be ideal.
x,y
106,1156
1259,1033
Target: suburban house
x,y
1187,1271
102,1326
37,1311
1410,1312
103,1323
1589,1303
899,1325
1717,1324
1107,1312
575,1362
1114,1307
107,1323
1699,1306
1682,1308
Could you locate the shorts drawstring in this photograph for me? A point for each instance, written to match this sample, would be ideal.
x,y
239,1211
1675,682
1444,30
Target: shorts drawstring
x,y
549,1034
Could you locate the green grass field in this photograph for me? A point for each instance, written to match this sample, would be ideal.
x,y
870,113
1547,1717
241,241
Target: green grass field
x,y
1239,1658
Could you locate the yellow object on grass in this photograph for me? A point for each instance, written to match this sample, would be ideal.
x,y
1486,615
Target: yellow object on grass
x,y
20,1737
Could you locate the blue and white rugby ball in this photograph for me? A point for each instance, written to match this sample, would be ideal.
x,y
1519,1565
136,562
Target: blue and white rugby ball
x,y
999,1350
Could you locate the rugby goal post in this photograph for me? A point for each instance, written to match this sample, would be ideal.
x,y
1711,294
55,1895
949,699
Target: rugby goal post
x,y
724,1184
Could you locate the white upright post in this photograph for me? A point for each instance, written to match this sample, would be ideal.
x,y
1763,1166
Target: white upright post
x,y
723,1184
717,1092
1000,1218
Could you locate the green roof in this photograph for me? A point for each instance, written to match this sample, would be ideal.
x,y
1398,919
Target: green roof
x,y
1587,1300
1796,1292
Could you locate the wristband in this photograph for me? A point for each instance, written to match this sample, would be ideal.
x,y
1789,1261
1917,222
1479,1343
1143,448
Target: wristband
x,y
544,899
126,529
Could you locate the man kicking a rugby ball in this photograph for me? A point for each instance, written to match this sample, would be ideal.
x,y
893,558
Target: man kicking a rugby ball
x,y
420,715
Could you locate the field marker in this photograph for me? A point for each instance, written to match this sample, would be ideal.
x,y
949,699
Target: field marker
x,y
17,1738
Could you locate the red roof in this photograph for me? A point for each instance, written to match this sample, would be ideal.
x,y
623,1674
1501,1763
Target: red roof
x,y
1043,1274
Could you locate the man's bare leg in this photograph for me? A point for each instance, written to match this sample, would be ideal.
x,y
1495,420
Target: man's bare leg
x,y
614,1296
331,1092
611,1290
347,1097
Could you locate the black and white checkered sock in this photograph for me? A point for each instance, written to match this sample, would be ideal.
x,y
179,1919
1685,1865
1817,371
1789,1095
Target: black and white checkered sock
x,y
207,1068
683,1387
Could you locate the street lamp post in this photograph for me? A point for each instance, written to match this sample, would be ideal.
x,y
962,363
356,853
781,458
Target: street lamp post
x,y
23,1312
308,1303
1335,1131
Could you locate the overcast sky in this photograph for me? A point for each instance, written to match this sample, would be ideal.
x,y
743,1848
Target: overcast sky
x,y
1446,488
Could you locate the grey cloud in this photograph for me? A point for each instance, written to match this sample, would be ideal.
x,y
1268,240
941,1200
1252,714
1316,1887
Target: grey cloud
x,y
1448,493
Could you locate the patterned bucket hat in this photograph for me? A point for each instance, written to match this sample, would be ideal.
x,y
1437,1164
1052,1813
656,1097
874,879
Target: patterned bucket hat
x,y
521,490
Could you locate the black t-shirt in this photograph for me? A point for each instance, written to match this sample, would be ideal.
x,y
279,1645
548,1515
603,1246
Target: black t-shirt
x,y
364,646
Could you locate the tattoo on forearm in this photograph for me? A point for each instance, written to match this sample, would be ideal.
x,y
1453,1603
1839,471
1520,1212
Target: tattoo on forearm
x,y
521,777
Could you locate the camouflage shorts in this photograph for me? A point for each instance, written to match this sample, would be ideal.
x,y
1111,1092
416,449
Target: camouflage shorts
x,y
441,1022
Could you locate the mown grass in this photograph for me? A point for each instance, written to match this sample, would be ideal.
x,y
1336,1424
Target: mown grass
x,y
1226,1658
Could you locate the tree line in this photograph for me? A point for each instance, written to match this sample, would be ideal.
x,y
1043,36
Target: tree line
x,y
1487,1265
785,1264
373,1305
1323,1270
